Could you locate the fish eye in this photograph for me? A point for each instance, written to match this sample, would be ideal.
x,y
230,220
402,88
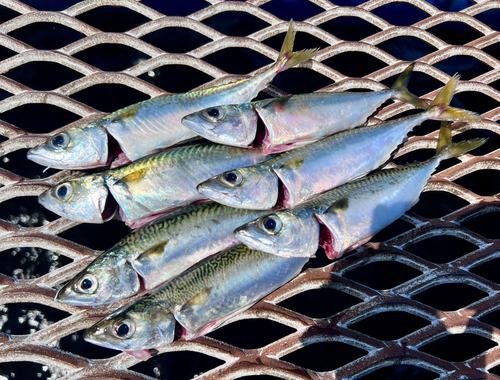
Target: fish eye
x,y
271,224
87,284
215,113
232,178
124,328
60,140
64,191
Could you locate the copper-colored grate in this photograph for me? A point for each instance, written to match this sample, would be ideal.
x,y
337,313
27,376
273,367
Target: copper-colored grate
x,y
403,296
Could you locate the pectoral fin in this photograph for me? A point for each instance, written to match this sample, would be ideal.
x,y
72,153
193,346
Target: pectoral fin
x,y
155,251
295,162
197,301
133,177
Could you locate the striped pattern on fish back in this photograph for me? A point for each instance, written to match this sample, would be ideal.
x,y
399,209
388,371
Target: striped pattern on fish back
x,y
183,219
205,274
190,154
374,181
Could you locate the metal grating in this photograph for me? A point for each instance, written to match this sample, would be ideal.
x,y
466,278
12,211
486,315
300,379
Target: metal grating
x,y
474,220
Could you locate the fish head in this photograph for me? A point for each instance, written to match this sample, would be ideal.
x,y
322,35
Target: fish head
x,y
75,148
253,187
234,124
139,326
82,199
289,233
107,279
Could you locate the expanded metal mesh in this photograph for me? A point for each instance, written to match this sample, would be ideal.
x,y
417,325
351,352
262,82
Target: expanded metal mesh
x,y
474,220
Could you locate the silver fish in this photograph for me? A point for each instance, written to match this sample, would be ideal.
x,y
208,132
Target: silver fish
x,y
351,214
156,123
169,179
156,253
296,176
200,300
293,121
147,187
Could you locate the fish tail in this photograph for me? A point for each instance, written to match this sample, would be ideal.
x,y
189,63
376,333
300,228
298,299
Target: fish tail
x,y
441,104
401,88
287,58
446,149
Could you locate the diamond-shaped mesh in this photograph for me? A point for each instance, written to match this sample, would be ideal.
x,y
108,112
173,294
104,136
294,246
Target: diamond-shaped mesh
x,y
382,278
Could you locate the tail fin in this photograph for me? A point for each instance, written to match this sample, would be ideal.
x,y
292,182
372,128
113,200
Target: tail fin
x,y
402,93
287,58
441,104
447,149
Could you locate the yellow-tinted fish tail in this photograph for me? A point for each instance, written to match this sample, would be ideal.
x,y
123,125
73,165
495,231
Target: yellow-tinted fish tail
x,y
288,58
447,149
401,87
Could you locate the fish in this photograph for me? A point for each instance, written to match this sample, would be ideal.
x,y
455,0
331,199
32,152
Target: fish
x,y
296,120
350,215
149,187
155,123
156,253
199,300
296,176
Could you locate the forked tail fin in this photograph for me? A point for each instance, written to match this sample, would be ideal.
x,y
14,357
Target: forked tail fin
x,y
401,88
441,104
447,149
287,58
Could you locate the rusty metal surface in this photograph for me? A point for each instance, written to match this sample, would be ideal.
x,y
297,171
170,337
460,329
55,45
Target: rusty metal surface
x,y
41,346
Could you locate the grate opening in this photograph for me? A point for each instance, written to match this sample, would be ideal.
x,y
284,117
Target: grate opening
x,y
113,19
324,356
482,182
436,249
111,57
109,97
30,262
166,366
488,270
485,225
401,372
256,333
436,204
368,274
46,36
449,297
320,303
458,348
389,325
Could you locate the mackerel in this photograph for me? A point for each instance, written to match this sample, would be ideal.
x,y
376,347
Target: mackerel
x,y
200,300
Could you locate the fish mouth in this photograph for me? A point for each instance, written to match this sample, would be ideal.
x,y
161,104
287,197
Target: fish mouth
x,y
40,159
193,125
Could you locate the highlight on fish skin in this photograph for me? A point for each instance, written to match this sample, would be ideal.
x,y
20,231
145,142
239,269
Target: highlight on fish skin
x,y
156,123
200,300
350,215
293,121
294,177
